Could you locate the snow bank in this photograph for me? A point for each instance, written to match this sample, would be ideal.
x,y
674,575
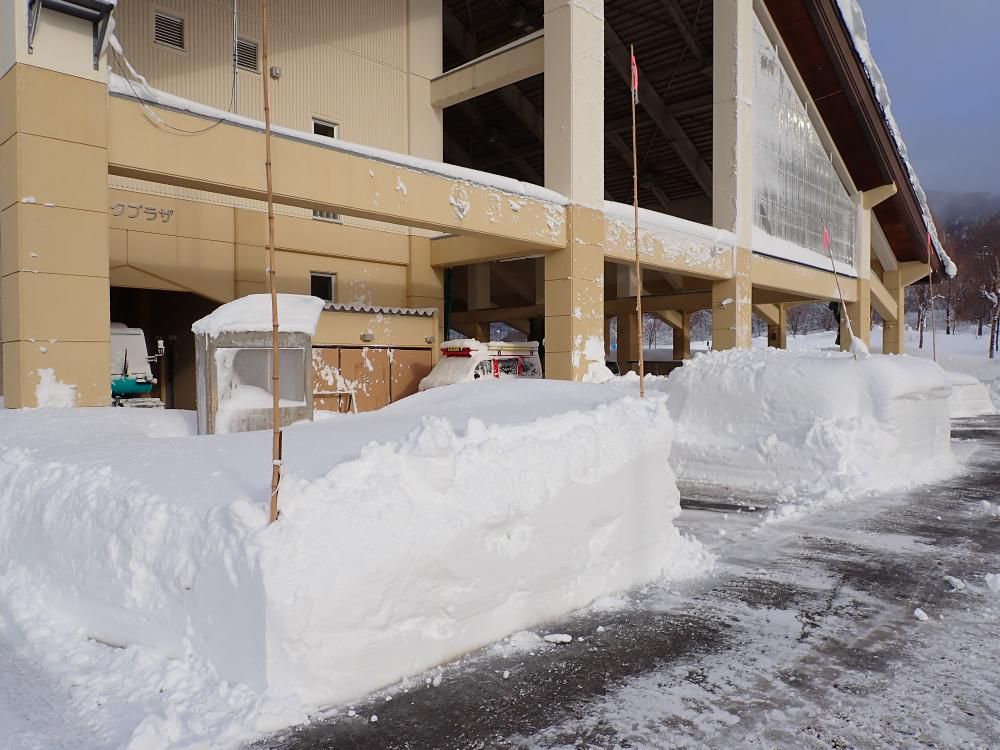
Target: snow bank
x,y
297,313
783,421
408,536
969,397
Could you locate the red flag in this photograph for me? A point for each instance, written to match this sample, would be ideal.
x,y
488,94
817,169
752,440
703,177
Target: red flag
x,y
826,239
635,80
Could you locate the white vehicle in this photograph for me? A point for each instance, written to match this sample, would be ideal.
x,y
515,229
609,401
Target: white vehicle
x,y
131,376
465,360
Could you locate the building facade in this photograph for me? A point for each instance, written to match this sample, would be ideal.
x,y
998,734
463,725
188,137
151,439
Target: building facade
x,y
438,166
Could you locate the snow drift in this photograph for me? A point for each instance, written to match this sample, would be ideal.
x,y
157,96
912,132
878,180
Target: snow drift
x,y
783,421
408,537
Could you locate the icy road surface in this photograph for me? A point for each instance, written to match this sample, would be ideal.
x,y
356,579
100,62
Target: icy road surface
x,y
805,636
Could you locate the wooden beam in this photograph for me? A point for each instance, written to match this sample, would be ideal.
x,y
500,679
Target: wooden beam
x,y
462,250
798,280
625,153
769,312
687,31
911,272
463,41
318,176
883,302
518,60
683,107
618,56
493,314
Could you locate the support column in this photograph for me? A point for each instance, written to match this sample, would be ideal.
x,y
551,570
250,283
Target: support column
x,y
574,166
777,333
682,337
860,311
480,298
894,331
54,235
732,167
425,129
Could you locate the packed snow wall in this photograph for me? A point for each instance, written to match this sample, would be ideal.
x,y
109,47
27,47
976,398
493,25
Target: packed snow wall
x,y
407,537
777,420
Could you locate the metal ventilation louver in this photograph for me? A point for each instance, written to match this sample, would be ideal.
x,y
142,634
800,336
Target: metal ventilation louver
x,y
246,54
168,30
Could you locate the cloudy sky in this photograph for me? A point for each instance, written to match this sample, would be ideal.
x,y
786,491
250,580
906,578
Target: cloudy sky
x,y
941,61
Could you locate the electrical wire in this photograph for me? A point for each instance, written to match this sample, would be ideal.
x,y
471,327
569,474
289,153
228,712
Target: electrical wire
x,y
125,67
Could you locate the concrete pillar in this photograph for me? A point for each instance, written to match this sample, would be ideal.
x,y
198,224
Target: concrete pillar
x,y
425,138
425,49
732,170
777,333
54,235
893,334
424,284
480,298
860,312
574,166
682,337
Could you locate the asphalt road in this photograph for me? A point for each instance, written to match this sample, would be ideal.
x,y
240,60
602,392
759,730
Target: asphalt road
x,y
804,636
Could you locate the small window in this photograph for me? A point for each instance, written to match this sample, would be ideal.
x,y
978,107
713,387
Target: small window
x,y
327,130
246,55
324,286
168,30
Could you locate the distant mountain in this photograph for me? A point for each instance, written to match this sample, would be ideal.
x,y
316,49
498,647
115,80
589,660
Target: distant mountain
x,y
963,209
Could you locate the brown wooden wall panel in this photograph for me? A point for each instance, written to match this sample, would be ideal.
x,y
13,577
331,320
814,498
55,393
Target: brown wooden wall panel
x,y
368,370
408,368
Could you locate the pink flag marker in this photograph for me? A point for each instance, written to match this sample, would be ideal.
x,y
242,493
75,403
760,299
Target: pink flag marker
x,y
635,80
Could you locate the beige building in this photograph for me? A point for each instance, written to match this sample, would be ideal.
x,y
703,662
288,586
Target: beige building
x,y
438,165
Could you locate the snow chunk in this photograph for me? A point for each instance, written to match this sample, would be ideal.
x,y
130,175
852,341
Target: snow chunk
x,y
53,393
993,582
297,313
920,614
559,638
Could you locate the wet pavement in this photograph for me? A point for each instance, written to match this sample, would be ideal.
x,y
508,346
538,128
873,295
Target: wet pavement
x,y
803,636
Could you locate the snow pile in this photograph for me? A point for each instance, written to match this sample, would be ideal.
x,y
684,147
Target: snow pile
x,y
297,313
969,397
52,392
816,422
854,20
139,566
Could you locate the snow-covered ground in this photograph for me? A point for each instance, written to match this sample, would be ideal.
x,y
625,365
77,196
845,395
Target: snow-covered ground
x,y
138,575
143,594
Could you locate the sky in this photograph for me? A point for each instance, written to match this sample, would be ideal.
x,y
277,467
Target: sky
x,y
941,62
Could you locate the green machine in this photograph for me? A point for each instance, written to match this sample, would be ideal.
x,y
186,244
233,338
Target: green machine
x,y
131,376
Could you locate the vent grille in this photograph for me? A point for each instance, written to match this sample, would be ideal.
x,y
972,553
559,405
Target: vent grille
x,y
246,55
168,30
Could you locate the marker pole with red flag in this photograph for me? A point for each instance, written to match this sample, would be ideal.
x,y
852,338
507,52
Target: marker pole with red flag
x,y
634,86
930,283
828,246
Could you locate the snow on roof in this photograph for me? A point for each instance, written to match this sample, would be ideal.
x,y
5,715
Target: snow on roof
x,y
139,89
297,313
854,20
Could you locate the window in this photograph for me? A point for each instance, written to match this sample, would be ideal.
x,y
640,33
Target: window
x,y
168,30
324,286
327,130
246,55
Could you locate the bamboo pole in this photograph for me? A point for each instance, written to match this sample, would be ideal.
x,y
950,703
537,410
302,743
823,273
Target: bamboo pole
x,y
275,367
930,283
635,207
